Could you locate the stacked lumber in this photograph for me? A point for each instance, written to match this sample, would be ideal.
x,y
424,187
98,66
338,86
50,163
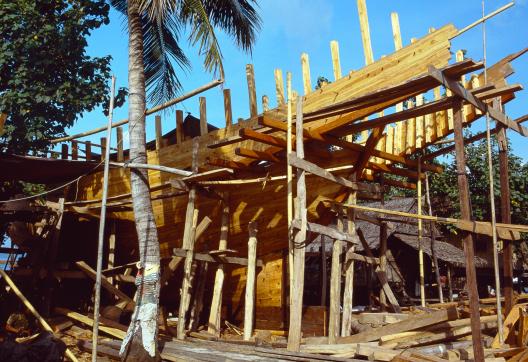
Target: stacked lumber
x,y
427,334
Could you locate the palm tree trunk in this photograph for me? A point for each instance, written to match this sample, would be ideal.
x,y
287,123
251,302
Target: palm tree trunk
x,y
140,343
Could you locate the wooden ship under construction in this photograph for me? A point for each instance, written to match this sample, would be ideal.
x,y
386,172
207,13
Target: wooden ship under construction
x,y
244,202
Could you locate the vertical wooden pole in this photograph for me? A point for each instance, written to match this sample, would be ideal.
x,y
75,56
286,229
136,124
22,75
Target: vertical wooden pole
x,y
279,87
335,286
265,103
88,150
348,292
420,231
289,177
336,62
64,151
111,249
119,140
228,113
159,132
450,281
432,235
305,65
3,118
365,31
191,219
297,290
179,127
203,117
103,148
324,272
250,74
465,213
396,34
74,150
216,303
250,281
506,218
383,260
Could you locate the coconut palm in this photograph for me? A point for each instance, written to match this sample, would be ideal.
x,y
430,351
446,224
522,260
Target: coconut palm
x,y
155,28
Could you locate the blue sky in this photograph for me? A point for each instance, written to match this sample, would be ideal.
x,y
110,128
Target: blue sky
x,y
295,26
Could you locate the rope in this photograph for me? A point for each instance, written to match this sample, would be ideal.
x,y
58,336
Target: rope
x,y
492,192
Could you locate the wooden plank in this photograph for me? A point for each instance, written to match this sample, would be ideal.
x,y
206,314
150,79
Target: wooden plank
x,y
396,34
203,116
249,305
256,155
469,251
220,259
3,118
250,134
88,150
334,319
305,65
104,282
159,132
336,62
74,150
119,140
64,151
180,134
89,322
279,87
103,148
460,91
328,231
228,113
213,326
509,325
250,75
265,103
348,290
382,276
321,172
32,309
412,323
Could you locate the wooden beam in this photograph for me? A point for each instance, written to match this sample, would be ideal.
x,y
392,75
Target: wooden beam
x,y
104,282
279,87
250,134
469,251
219,259
396,34
159,132
412,323
203,117
249,304
463,93
88,150
119,140
180,133
250,75
74,150
334,318
256,155
265,103
305,65
326,230
365,31
336,62
64,151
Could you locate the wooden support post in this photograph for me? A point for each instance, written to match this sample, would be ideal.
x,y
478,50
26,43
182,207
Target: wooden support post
x,y
432,235
336,62
396,34
279,87
74,150
88,150
383,259
289,181
365,31
32,309
250,74
305,65
111,249
3,118
465,212
228,113
348,292
189,231
334,317
420,231
324,272
203,117
180,135
450,281
265,103
159,132
103,148
119,140
213,326
249,307
299,245
64,151
198,294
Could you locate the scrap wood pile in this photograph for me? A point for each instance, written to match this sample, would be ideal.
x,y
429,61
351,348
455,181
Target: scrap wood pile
x,y
442,333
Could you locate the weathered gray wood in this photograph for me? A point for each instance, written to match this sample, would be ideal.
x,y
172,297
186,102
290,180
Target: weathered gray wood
x,y
328,231
220,259
104,283
249,306
348,291
213,326
412,323
335,287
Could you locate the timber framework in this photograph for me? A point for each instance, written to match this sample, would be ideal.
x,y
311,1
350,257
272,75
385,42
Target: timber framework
x,y
274,229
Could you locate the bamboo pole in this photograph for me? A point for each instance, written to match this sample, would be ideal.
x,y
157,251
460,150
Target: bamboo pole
x,y
32,309
484,18
102,220
289,176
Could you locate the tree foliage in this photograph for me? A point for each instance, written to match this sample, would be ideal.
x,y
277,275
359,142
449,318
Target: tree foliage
x,y
46,78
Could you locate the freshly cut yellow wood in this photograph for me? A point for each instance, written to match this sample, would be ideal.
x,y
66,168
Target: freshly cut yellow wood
x,y
410,143
336,62
89,322
279,87
265,103
365,31
250,74
509,324
396,34
307,82
389,145
228,113
203,116
420,124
